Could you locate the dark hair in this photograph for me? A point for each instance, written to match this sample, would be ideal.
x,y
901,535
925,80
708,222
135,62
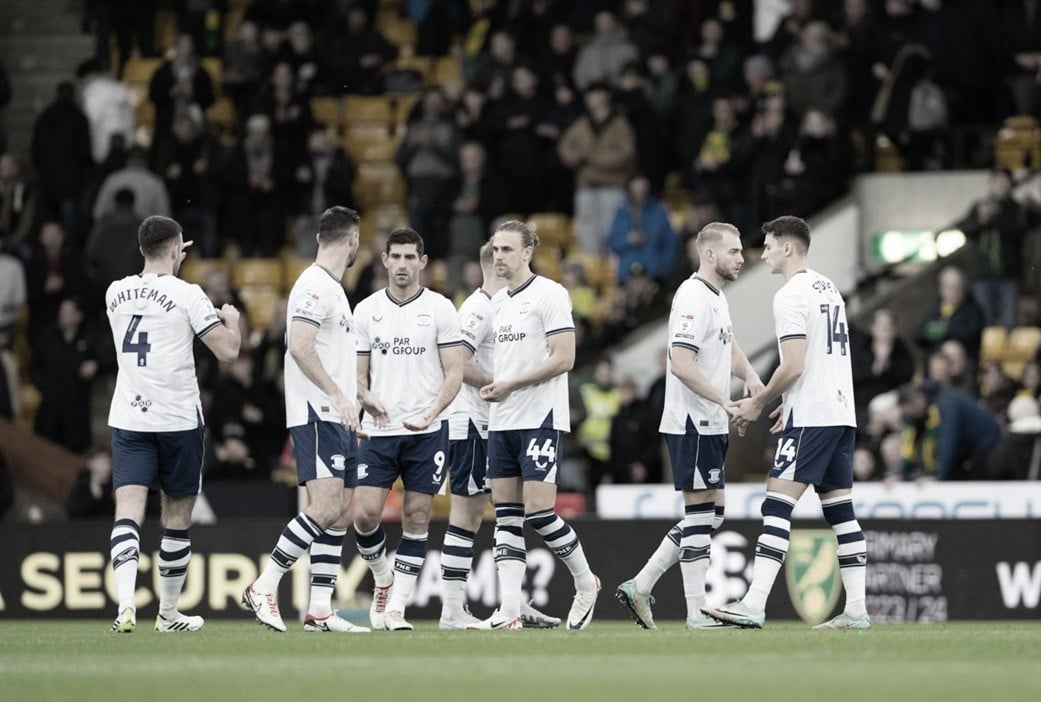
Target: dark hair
x,y
791,227
155,234
125,196
88,66
528,237
65,90
405,235
336,224
906,394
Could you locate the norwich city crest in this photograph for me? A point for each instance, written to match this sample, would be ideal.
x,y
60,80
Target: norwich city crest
x,y
812,571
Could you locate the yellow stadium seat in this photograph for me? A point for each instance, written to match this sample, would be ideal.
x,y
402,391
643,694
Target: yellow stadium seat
x,y
600,272
257,271
327,110
1022,343
362,108
547,262
992,345
397,31
139,71
448,71
214,66
403,105
887,156
379,183
293,268
367,140
222,113
261,304
1013,369
555,230
194,270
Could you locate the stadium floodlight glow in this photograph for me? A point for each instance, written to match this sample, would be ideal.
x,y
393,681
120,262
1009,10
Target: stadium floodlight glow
x,y
948,241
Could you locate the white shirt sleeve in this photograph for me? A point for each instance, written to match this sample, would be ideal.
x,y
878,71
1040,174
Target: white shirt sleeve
x,y
201,314
361,327
790,314
448,333
473,326
692,321
311,305
555,308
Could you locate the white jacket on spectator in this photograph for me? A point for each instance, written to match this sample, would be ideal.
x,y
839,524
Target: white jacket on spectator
x,y
110,110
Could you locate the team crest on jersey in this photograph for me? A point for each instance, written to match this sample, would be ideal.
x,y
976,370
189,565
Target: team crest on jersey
x,y
424,320
812,574
339,462
525,306
714,475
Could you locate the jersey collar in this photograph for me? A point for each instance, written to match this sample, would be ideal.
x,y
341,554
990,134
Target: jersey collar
x,y
402,303
523,285
708,285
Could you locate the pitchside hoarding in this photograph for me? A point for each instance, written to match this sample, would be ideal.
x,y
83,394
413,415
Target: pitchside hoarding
x,y
919,570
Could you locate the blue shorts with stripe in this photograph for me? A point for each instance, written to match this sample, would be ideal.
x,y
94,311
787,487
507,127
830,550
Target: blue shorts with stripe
x,y
170,461
529,454
818,456
419,459
697,460
325,450
468,463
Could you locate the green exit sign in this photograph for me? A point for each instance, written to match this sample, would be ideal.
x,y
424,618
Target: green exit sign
x,y
899,245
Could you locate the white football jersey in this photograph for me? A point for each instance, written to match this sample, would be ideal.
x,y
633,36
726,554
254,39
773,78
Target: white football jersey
x,y
700,321
154,320
524,319
317,298
402,341
475,324
810,307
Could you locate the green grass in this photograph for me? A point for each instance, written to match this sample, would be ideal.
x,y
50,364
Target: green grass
x,y
237,660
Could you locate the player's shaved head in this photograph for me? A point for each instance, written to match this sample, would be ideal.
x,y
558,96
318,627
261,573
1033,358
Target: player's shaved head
x,y
792,228
486,255
712,233
336,224
156,234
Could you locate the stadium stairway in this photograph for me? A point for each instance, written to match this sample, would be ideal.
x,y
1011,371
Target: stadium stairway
x,y
40,46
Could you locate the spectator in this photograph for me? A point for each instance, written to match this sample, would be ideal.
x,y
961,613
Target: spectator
x,y
631,100
61,155
179,86
204,20
150,196
247,432
961,370
52,274
954,315
10,395
633,461
773,137
480,197
217,286
812,72
882,361
288,111
602,59
1030,379
6,488
244,67
491,73
5,99
125,18
427,157
563,111
321,179
255,188
18,204
854,36
600,401
996,389
722,56
995,225
692,115
358,59
112,250
1018,454
515,121
815,169
12,294
299,52
107,104
185,164
63,369
555,65
601,149
947,436
641,233
721,164
91,494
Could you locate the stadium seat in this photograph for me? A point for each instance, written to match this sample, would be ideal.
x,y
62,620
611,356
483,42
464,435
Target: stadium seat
x,y
547,262
293,268
261,304
992,345
600,272
1018,144
365,140
384,218
194,270
403,104
222,113
555,230
397,31
887,156
379,183
1022,343
257,271
350,278
327,110
138,71
448,70
214,65
363,108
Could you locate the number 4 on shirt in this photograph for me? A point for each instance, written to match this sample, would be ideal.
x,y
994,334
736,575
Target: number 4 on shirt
x,y
141,347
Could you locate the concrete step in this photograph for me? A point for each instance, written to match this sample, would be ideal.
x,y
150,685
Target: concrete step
x,y
33,54
39,17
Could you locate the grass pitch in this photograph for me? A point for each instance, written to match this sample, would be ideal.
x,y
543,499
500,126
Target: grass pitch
x,y
612,660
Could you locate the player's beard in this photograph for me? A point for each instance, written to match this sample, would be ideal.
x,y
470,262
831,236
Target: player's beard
x,y
726,274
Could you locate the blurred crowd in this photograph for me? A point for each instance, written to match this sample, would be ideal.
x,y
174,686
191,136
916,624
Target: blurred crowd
x,y
639,121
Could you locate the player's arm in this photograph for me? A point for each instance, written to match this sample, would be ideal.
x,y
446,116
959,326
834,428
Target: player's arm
x,y
561,359
302,335
224,339
472,375
793,361
368,401
743,369
686,369
453,358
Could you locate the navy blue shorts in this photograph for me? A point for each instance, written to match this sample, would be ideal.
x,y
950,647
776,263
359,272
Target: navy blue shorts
x,y
698,461
818,456
170,461
419,459
325,450
468,463
530,454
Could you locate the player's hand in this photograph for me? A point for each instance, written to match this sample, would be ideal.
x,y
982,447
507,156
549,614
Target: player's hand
x,y
374,408
347,410
496,391
745,412
732,410
419,424
229,314
778,416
